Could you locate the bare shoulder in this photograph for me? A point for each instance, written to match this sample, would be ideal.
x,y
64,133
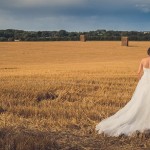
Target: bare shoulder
x,y
144,59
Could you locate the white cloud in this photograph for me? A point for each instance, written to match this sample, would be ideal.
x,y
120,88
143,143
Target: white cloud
x,y
143,5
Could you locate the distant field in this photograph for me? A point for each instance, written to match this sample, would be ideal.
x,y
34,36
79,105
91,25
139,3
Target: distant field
x,y
66,87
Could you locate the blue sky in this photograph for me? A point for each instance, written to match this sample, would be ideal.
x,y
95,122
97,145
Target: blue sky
x,y
75,15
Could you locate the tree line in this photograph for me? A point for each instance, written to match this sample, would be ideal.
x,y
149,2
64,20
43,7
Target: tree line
x,y
63,35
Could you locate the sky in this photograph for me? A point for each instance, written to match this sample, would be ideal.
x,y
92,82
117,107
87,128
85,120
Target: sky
x,y
75,15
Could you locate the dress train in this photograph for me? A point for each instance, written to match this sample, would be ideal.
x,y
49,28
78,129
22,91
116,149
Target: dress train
x,y
134,116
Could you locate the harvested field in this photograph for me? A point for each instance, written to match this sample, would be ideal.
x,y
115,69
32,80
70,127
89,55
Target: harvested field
x,y
52,94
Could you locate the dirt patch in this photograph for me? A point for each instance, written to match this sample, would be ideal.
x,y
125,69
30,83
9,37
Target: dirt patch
x,y
46,96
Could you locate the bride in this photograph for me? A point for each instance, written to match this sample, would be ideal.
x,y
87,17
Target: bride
x,y
135,115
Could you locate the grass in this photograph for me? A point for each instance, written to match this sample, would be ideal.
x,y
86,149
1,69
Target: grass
x,y
56,92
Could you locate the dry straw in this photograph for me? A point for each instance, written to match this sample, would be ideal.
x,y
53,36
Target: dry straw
x,y
83,38
124,41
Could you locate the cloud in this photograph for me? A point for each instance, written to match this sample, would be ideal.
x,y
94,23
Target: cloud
x,y
73,14
143,5
80,8
39,3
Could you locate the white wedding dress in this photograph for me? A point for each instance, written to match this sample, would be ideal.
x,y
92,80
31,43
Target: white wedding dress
x,y
134,116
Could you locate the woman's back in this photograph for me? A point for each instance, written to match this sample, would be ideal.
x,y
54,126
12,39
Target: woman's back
x,y
146,62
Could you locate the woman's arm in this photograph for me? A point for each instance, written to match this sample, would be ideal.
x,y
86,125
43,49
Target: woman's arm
x,y
140,70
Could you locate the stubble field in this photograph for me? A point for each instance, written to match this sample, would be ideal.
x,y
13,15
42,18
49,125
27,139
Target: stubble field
x,y
52,94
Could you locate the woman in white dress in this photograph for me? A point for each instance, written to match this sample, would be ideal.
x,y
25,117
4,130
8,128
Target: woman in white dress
x,y
135,115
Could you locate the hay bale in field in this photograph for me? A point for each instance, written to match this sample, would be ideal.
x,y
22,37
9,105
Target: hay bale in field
x,y
83,38
124,41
